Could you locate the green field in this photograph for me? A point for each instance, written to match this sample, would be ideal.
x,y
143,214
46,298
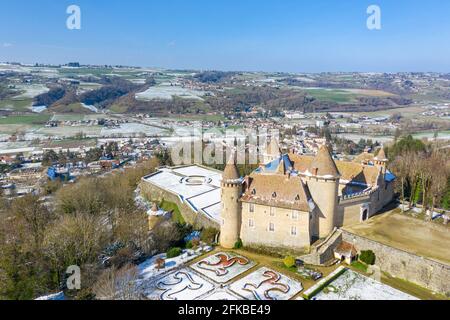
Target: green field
x,y
26,119
16,105
172,207
338,96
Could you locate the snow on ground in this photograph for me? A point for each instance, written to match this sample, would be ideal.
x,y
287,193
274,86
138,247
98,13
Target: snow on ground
x,y
196,186
148,270
221,294
89,107
31,91
223,267
56,296
132,128
38,109
167,92
266,284
182,284
354,286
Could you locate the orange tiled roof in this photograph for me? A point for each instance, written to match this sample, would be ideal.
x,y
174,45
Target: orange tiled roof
x,y
364,157
346,249
277,191
350,171
323,164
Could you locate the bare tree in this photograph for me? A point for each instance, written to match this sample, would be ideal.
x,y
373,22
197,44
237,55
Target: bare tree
x,y
119,284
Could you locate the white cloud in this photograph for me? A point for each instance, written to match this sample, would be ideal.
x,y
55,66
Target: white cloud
x,y
172,44
7,44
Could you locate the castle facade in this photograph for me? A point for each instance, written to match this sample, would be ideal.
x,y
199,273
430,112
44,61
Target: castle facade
x,y
294,200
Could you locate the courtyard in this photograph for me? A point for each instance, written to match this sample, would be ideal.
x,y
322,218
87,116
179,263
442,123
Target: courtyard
x,y
408,234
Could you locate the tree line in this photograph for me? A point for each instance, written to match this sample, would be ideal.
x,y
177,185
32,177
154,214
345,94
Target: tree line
x,y
93,224
423,170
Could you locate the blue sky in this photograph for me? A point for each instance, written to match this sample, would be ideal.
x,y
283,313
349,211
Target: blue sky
x,y
254,35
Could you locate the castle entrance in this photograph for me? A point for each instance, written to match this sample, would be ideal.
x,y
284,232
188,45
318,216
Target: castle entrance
x,y
365,209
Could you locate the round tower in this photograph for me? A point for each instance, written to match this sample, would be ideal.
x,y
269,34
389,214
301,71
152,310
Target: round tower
x,y
323,183
381,160
231,207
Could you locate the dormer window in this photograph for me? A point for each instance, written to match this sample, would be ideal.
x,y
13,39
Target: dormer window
x,y
274,195
253,191
297,198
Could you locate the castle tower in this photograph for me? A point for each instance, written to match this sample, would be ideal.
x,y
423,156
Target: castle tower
x,y
273,151
381,160
323,184
231,207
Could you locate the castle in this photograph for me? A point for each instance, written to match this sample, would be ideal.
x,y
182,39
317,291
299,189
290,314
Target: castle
x,y
294,200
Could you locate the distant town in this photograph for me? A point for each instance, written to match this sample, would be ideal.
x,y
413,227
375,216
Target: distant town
x,y
348,198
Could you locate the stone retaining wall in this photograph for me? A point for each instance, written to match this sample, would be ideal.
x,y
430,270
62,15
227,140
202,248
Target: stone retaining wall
x,y
422,271
198,220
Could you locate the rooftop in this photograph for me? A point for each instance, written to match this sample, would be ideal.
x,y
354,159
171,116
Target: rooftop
x,y
196,186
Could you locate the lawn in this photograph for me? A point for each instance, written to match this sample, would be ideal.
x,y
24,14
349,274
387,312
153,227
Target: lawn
x,y
172,207
26,119
16,104
358,265
407,233
410,288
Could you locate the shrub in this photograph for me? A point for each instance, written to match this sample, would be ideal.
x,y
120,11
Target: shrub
x,y
368,257
189,245
289,262
238,244
174,252
208,235
195,242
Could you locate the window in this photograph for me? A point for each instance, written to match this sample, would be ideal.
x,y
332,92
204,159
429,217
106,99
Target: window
x,y
295,215
251,223
271,227
293,231
272,211
251,207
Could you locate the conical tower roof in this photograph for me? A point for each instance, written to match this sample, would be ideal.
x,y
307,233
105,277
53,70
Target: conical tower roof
x,y
381,156
231,171
323,164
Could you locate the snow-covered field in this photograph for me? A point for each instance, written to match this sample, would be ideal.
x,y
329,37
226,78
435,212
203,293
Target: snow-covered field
x,y
165,92
132,128
354,286
223,267
89,107
38,109
266,284
31,91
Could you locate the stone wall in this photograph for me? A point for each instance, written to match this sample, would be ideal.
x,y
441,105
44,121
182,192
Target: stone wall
x,y
404,265
198,220
323,252
258,234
